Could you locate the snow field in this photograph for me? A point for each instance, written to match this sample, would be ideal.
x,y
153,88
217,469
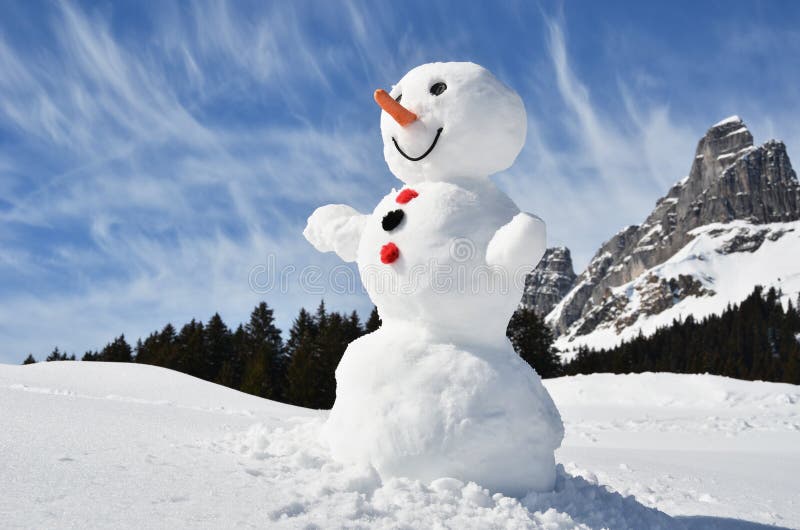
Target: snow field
x,y
96,445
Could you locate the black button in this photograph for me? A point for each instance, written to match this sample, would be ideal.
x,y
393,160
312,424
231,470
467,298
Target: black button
x,y
392,220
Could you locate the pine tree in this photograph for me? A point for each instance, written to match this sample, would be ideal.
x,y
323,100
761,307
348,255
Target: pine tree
x,y
533,341
118,351
262,361
374,321
353,328
29,359
136,349
232,369
166,346
256,377
218,346
56,355
190,355
90,356
333,336
301,349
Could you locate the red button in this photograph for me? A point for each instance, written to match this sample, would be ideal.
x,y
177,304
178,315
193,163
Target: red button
x,y
406,195
389,253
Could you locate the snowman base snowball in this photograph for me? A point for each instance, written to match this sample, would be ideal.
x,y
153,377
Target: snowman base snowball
x,y
413,407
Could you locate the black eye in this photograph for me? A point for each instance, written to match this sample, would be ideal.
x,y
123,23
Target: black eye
x,y
398,98
438,88
392,219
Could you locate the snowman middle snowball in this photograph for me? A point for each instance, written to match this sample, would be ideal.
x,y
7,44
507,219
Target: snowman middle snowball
x,y
437,390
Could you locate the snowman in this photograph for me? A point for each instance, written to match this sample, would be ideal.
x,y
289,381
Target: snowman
x,y
437,390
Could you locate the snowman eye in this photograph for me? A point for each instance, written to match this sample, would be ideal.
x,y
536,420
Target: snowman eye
x,y
438,88
398,98
392,220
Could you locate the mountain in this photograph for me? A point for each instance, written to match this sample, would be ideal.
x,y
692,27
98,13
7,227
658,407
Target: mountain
x,y
727,226
550,281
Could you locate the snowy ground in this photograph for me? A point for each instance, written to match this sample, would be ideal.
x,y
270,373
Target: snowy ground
x,y
94,445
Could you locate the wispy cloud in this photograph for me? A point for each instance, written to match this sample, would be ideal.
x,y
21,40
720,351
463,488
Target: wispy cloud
x,y
150,158
158,210
608,167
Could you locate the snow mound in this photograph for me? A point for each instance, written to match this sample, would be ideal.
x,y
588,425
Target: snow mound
x,y
139,383
323,487
698,392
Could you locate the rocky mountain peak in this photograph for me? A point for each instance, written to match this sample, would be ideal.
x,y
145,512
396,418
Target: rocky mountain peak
x,y
730,179
552,278
721,144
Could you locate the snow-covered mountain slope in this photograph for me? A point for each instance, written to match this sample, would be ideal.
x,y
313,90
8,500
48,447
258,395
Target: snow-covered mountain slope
x,y
95,445
720,265
731,182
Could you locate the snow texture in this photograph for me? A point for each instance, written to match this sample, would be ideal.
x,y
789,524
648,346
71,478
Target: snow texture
x,y
726,121
438,390
111,445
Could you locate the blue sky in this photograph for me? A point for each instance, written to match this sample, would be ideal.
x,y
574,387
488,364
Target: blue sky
x,y
154,155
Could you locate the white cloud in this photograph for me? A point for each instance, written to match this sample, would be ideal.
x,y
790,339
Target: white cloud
x,y
157,213
606,170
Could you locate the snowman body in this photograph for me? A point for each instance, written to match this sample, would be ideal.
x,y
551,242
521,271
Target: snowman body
x,y
437,390
441,278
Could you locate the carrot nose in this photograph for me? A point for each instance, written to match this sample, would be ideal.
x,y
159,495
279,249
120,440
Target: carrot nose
x,y
401,115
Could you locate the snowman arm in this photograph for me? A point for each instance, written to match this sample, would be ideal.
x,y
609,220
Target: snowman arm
x,y
519,243
336,228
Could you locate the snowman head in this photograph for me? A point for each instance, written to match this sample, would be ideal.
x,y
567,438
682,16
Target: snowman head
x,y
450,121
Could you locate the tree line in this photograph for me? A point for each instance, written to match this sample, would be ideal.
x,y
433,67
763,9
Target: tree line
x,y
255,359
252,358
756,339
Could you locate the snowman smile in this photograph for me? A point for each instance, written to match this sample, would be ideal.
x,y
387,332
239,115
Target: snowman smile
x,y
423,155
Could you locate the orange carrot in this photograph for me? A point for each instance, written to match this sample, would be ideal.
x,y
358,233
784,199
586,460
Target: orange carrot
x,y
401,115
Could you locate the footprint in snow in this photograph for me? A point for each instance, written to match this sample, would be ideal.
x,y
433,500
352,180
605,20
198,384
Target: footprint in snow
x,y
293,509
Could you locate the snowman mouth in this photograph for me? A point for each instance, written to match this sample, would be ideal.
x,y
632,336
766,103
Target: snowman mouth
x,y
423,155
